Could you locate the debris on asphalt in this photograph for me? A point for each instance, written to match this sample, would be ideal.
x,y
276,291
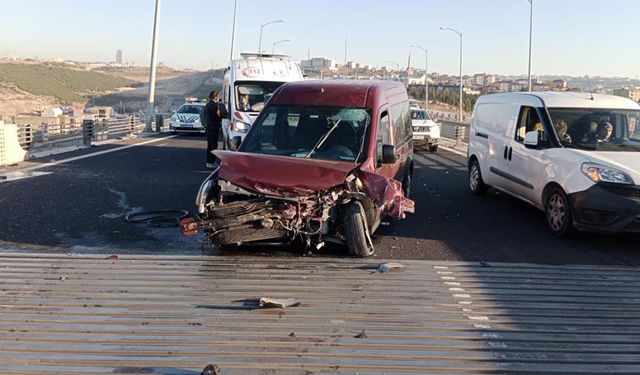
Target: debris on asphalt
x,y
389,266
62,278
211,370
292,334
361,335
112,257
272,303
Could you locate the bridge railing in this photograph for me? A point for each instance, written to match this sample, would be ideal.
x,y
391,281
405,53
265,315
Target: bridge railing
x,y
46,139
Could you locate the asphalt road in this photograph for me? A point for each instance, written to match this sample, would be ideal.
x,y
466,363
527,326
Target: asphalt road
x,y
80,207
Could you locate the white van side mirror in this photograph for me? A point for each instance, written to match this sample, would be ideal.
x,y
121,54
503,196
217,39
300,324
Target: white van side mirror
x,y
531,139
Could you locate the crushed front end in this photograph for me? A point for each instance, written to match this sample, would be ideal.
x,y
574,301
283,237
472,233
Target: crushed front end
x,y
232,215
252,198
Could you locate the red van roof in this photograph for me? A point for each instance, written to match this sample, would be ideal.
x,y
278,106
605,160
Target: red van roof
x,y
344,93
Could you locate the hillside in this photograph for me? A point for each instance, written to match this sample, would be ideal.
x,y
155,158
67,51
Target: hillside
x,y
66,85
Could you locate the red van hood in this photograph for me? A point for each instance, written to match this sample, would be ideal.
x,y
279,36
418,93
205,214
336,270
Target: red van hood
x,y
281,175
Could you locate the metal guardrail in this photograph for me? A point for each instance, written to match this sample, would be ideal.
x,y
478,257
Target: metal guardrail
x,y
454,130
47,138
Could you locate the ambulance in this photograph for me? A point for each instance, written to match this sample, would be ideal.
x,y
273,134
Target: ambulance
x,y
249,82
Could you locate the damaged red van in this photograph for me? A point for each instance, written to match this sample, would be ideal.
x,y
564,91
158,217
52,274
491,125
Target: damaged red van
x,y
324,161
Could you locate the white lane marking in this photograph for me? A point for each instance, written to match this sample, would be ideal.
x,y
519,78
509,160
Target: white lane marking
x,y
53,163
461,296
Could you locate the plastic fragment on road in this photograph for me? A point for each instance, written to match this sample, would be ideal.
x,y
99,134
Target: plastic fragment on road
x,y
389,266
272,303
361,335
112,257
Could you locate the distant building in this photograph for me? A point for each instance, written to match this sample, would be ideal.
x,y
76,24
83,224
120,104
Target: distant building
x,y
318,63
483,79
504,85
625,92
119,57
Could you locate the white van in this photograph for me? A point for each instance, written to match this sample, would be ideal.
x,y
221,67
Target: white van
x,y
576,156
248,83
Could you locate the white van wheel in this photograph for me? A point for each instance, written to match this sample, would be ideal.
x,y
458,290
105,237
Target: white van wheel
x,y
476,184
558,213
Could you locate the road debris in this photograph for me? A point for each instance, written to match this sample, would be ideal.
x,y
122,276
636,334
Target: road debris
x,y
112,257
63,278
389,266
361,335
272,303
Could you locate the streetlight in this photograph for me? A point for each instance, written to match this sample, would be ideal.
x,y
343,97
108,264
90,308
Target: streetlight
x,y
233,29
530,34
426,82
152,69
273,49
396,64
460,35
262,27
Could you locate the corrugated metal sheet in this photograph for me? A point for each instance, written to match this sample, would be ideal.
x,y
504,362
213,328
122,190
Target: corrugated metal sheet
x,y
82,314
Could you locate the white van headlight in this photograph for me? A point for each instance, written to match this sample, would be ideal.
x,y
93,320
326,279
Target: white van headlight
x,y
241,127
601,173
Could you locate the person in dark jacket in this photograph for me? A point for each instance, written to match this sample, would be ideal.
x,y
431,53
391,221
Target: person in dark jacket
x,y
212,116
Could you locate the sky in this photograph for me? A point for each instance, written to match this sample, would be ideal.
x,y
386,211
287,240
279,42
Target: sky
x,y
570,37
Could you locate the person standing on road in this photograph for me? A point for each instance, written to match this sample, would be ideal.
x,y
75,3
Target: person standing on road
x,y
212,117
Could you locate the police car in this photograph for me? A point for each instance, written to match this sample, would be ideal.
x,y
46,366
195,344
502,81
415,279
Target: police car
x,y
187,118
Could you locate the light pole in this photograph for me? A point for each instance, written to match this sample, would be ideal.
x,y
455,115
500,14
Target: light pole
x,y
530,35
426,81
233,29
261,28
460,103
396,64
152,68
273,49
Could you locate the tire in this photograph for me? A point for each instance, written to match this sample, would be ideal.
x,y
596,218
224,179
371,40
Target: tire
x,y
406,184
476,183
356,232
433,148
173,132
557,212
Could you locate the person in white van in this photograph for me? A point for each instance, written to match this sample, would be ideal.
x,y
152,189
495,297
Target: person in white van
x,y
583,177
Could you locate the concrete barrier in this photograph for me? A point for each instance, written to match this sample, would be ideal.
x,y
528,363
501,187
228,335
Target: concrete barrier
x,y
10,150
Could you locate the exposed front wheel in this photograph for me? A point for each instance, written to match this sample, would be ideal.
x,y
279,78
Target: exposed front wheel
x,y
355,230
558,213
476,184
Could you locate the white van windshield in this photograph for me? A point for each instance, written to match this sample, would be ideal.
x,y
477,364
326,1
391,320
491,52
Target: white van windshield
x,y
597,129
252,96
